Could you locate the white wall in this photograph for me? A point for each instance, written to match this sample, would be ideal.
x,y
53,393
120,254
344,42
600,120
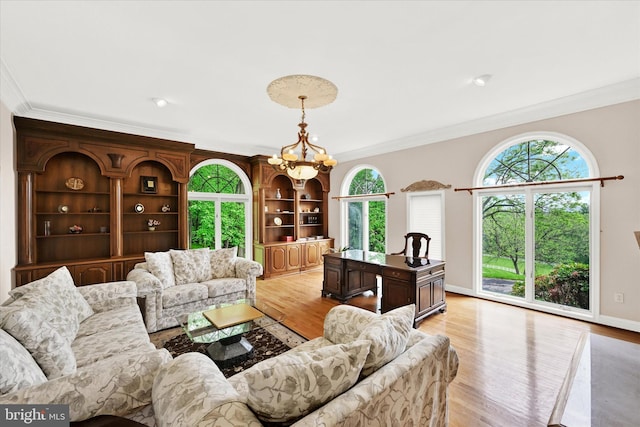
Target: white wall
x,y
8,188
611,133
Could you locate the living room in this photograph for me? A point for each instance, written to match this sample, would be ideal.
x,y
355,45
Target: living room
x,y
601,115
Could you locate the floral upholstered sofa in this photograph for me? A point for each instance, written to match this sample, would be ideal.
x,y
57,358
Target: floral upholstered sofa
x,y
82,346
366,370
178,282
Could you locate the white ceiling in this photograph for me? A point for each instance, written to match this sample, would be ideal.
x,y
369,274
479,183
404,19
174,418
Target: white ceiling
x,y
402,68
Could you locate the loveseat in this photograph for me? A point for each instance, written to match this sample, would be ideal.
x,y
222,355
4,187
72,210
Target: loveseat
x,y
178,282
82,346
366,370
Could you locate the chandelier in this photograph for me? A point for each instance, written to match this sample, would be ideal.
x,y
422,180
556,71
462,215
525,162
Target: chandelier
x,y
289,91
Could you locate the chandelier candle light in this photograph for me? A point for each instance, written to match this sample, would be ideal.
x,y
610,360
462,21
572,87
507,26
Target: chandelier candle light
x,y
316,92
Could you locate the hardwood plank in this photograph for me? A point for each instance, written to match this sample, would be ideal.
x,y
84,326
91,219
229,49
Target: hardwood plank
x,y
512,360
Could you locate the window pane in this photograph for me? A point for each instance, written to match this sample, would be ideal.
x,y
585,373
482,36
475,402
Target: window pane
x,y
355,225
562,248
202,224
503,244
233,226
367,181
377,226
535,161
216,179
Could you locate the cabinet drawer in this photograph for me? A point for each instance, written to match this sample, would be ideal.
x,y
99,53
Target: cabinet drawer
x,y
358,266
332,261
397,274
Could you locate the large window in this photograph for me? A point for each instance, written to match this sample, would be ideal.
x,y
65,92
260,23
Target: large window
x,y
219,207
365,216
537,241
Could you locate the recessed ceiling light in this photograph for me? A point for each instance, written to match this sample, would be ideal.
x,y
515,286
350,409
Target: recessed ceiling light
x,y
160,102
481,80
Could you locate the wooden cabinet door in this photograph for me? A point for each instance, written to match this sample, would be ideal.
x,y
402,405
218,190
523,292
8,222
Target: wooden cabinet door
x,y
395,293
312,256
438,290
425,297
332,278
89,274
277,259
294,257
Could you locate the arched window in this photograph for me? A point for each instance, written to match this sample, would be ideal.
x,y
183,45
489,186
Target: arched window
x,y
537,243
364,222
219,207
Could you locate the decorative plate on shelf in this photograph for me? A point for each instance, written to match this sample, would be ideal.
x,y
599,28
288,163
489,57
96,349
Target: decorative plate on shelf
x,y
74,183
139,208
277,220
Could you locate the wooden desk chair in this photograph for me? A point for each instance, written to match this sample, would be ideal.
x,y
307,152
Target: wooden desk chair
x,y
419,245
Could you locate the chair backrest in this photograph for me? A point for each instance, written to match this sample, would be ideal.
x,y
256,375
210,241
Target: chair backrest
x,y
415,245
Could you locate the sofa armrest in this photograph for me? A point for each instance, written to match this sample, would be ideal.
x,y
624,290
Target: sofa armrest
x,y
117,385
191,391
110,295
343,323
249,270
150,288
146,283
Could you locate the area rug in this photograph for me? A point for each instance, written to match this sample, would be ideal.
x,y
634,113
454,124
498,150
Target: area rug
x,y
267,342
602,386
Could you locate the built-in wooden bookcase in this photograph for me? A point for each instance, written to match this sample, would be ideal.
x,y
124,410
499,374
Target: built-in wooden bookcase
x,y
162,194
59,208
291,217
75,176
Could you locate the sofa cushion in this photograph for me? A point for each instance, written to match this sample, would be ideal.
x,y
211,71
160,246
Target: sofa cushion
x,y
388,335
183,294
191,265
18,369
111,342
218,287
161,266
58,301
294,384
223,262
50,350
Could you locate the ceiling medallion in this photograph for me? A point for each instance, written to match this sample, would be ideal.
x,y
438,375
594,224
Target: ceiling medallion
x,y
310,92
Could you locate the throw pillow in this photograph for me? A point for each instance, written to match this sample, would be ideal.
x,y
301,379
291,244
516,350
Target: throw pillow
x,y
50,350
58,301
388,335
18,369
191,265
160,265
223,262
294,384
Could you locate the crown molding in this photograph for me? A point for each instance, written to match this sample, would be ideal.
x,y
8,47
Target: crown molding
x,y
618,93
10,93
16,102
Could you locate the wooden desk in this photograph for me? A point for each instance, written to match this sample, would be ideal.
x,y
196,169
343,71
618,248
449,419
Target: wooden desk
x,y
405,280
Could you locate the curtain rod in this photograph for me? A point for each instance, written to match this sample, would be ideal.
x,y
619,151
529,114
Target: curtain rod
x,y
530,184
363,195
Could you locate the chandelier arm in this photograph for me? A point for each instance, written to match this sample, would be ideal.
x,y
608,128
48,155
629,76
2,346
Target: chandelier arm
x,y
317,148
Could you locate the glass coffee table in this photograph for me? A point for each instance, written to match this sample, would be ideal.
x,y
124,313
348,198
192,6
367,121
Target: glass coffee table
x,y
232,319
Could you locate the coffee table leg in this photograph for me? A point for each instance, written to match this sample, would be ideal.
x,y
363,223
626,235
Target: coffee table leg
x,y
223,350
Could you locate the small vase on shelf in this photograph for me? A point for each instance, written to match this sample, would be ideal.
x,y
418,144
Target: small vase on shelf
x,y
152,229
278,195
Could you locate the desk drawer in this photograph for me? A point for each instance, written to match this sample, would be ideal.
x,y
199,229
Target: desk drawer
x,y
359,266
397,274
333,261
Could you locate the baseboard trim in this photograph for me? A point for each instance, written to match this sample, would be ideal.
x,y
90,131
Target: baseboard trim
x,y
615,322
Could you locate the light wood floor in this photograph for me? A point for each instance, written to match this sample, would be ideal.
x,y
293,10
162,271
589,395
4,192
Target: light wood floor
x,y
512,360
